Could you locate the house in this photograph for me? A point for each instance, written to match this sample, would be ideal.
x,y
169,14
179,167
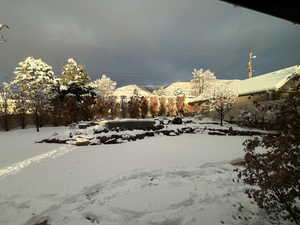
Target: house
x,y
270,86
186,88
130,90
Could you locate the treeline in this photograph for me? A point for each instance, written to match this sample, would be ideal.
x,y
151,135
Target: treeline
x,y
72,96
69,108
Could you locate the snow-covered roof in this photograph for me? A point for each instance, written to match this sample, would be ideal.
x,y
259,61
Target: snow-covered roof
x,y
186,87
267,82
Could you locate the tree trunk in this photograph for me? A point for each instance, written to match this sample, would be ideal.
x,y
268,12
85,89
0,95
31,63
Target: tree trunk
x,y
22,120
6,122
221,117
37,120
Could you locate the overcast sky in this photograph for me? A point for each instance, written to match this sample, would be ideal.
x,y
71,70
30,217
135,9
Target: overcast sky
x,y
146,41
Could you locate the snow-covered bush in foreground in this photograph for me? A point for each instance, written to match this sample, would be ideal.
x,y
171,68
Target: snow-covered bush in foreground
x,y
274,172
220,99
34,82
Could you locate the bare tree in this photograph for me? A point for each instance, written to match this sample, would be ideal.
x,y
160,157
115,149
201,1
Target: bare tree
x,y
221,99
202,79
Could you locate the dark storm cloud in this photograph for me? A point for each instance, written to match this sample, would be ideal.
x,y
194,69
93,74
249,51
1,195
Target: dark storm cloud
x,y
146,42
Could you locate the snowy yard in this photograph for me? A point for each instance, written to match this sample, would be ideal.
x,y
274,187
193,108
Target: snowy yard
x,y
160,180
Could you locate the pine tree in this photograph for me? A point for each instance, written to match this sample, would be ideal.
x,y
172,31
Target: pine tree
x,y
74,73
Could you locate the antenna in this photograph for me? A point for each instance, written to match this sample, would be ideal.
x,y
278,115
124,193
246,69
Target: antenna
x,y
250,65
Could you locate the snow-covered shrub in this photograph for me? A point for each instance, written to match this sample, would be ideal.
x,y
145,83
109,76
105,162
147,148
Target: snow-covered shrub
x,y
274,173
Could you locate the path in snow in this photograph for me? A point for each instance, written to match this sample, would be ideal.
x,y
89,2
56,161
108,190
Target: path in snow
x,y
16,167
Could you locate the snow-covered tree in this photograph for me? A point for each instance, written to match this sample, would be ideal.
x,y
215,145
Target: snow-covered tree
x,y
34,82
201,81
74,73
104,86
220,99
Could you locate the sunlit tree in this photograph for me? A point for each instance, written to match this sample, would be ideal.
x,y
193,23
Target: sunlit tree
x,y
74,73
220,99
104,86
34,82
202,80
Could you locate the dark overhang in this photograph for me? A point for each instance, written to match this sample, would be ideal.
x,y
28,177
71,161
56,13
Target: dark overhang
x,y
287,9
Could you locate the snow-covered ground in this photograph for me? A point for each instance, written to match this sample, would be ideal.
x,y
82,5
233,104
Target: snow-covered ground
x,y
161,180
